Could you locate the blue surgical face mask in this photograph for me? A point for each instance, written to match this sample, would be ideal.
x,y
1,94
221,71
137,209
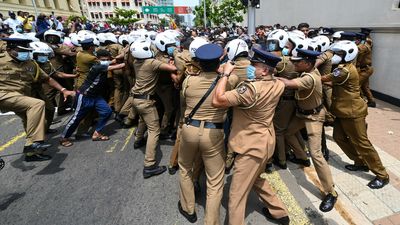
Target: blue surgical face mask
x,y
271,47
170,50
42,58
23,56
178,43
251,72
285,51
19,30
105,63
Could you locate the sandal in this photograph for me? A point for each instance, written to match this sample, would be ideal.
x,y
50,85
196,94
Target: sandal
x,y
100,137
65,142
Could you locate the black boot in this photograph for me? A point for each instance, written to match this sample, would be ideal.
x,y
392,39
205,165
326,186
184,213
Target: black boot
x,y
328,203
140,143
283,220
378,183
192,218
37,158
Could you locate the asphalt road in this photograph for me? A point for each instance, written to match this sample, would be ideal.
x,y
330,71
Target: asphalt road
x,y
102,183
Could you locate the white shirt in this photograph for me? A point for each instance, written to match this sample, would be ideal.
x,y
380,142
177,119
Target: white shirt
x,y
12,23
59,26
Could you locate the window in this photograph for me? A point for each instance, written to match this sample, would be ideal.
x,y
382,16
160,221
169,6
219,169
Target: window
x,y
115,3
92,15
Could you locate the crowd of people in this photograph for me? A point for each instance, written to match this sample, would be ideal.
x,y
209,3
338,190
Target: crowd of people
x,y
229,100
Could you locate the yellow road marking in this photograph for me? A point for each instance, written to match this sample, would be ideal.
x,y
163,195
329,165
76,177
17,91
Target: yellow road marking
x,y
113,146
128,138
296,213
12,141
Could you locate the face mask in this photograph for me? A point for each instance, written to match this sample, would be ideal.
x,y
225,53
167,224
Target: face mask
x,y
363,42
42,59
285,51
271,47
19,30
171,50
105,63
178,43
336,59
251,72
23,56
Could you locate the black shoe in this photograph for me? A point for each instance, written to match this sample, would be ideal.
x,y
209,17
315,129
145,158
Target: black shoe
x,y
119,117
164,136
192,218
371,104
356,168
283,220
51,131
269,168
139,144
278,164
378,183
153,171
37,157
328,203
36,146
56,121
83,136
303,162
172,169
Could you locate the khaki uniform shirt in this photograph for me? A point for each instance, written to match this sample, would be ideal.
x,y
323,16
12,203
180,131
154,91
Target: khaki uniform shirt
x,y
19,76
240,69
164,76
285,69
84,61
364,56
146,76
346,98
326,67
252,131
194,88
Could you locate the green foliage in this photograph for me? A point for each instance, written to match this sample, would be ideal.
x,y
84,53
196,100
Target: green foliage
x,y
124,17
227,12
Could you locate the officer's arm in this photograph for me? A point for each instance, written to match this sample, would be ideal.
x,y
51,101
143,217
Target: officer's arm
x,y
53,83
219,99
327,78
116,67
168,67
290,84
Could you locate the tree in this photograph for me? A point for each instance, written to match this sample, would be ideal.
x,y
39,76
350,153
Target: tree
x,y
227,12
124,17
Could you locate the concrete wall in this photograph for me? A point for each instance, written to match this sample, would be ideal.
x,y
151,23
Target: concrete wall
x,y
381,15
26,6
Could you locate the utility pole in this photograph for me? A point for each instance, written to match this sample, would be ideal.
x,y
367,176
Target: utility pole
x,y
251,20
205,15
34,6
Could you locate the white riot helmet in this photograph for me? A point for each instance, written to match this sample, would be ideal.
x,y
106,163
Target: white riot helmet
x,y
32,36
196,43
151,36
75,39
86,34
41,51
348,47
297,33
323,41
141,49
106,38
142,33
277,39
235,48
134,35
162,40
123,39
53,33
298,42
336,36
313,45
18,36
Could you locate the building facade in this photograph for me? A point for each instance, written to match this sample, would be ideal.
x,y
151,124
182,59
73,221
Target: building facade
x,y
101,10
63,8
382,16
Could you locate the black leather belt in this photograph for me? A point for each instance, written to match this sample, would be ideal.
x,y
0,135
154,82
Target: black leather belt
x,y
310,111
209,125
288,98
146,97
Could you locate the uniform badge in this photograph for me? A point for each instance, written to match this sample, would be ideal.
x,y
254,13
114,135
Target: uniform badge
x,y
336,72
242,89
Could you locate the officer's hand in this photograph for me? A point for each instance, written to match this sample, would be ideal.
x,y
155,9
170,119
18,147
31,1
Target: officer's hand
x,y
228,68
67,93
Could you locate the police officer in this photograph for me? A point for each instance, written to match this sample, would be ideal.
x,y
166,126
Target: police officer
x,y
364,67
17,73
311,115
203,134
237,51
252,136
146,68
350,130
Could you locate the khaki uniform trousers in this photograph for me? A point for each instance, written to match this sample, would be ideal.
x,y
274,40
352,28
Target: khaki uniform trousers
x,y
209,143
149,115
351,136
246,176
314,131
39,93
165,92
284,113
364,75
128,109
121,89
30,110
327,101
